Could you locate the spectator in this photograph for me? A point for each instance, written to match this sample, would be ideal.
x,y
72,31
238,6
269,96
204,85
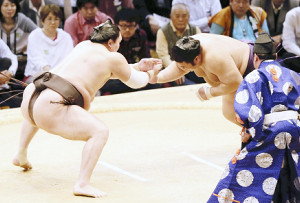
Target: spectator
x,y
134,47
201,11
111,7
32,9
177,28
15,26
67,6
291,39
47,46
8,66
150,22
14,30
80,24
276,11
240,21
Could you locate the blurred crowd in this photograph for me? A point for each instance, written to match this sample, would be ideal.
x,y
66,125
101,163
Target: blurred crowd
x,y
37,34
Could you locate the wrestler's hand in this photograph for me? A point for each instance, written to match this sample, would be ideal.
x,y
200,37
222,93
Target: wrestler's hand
x,y
149,64
154,72
5,78
203,93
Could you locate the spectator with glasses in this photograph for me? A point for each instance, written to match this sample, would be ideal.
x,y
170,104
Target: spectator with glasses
x,y
240,21
80,24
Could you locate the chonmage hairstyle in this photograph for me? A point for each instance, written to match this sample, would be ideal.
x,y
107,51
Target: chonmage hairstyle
x,y
104,32
185,50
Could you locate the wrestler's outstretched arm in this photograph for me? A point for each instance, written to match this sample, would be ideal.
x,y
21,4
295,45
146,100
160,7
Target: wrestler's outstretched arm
x,y
169,74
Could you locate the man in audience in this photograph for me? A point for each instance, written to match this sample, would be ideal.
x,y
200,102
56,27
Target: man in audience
x,y
201,11
276,11
80,24
168,35
240,21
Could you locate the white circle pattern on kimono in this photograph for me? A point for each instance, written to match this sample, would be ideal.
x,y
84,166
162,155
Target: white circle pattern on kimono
x,y
225,172
254,114
280,141
259,143
252,132
271,87
278,108
243,154
225,196
287,88
252,77
264,160
297,183
295,76
242,97
295,156
269,185
297,103
251,200
244,178
288,138
277,68
260,98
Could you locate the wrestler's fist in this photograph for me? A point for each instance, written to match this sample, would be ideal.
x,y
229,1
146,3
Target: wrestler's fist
x,y
149,64
203,93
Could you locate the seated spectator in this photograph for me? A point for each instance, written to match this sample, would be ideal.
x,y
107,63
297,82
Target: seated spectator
x,y
14,30
68,7
111,7
149,22
276,11
240,21
168,35
8,66
47,46
80,24
201,11
291,39
134,47
32,9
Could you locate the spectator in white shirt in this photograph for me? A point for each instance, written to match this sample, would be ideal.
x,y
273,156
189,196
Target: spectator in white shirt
x,y
47,46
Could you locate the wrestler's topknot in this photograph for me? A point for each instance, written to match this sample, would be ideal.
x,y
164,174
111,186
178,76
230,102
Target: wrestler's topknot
x,y
104,32
185,50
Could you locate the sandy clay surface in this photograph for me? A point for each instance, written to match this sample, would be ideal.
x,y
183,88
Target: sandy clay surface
x,y
165,146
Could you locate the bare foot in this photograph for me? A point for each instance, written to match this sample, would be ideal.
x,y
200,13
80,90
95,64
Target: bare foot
x,y
88,191
26,165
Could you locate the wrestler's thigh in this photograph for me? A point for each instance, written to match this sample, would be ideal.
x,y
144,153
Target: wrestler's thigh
x,y
69,121
228,108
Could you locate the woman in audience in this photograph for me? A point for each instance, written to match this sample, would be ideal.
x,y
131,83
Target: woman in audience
x,y
14,26
47,46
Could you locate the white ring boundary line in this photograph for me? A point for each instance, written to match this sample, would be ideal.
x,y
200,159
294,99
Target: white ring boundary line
x,y
202,161
124,172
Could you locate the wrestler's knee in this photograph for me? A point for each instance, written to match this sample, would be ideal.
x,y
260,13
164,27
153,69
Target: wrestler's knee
x,y
101,134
